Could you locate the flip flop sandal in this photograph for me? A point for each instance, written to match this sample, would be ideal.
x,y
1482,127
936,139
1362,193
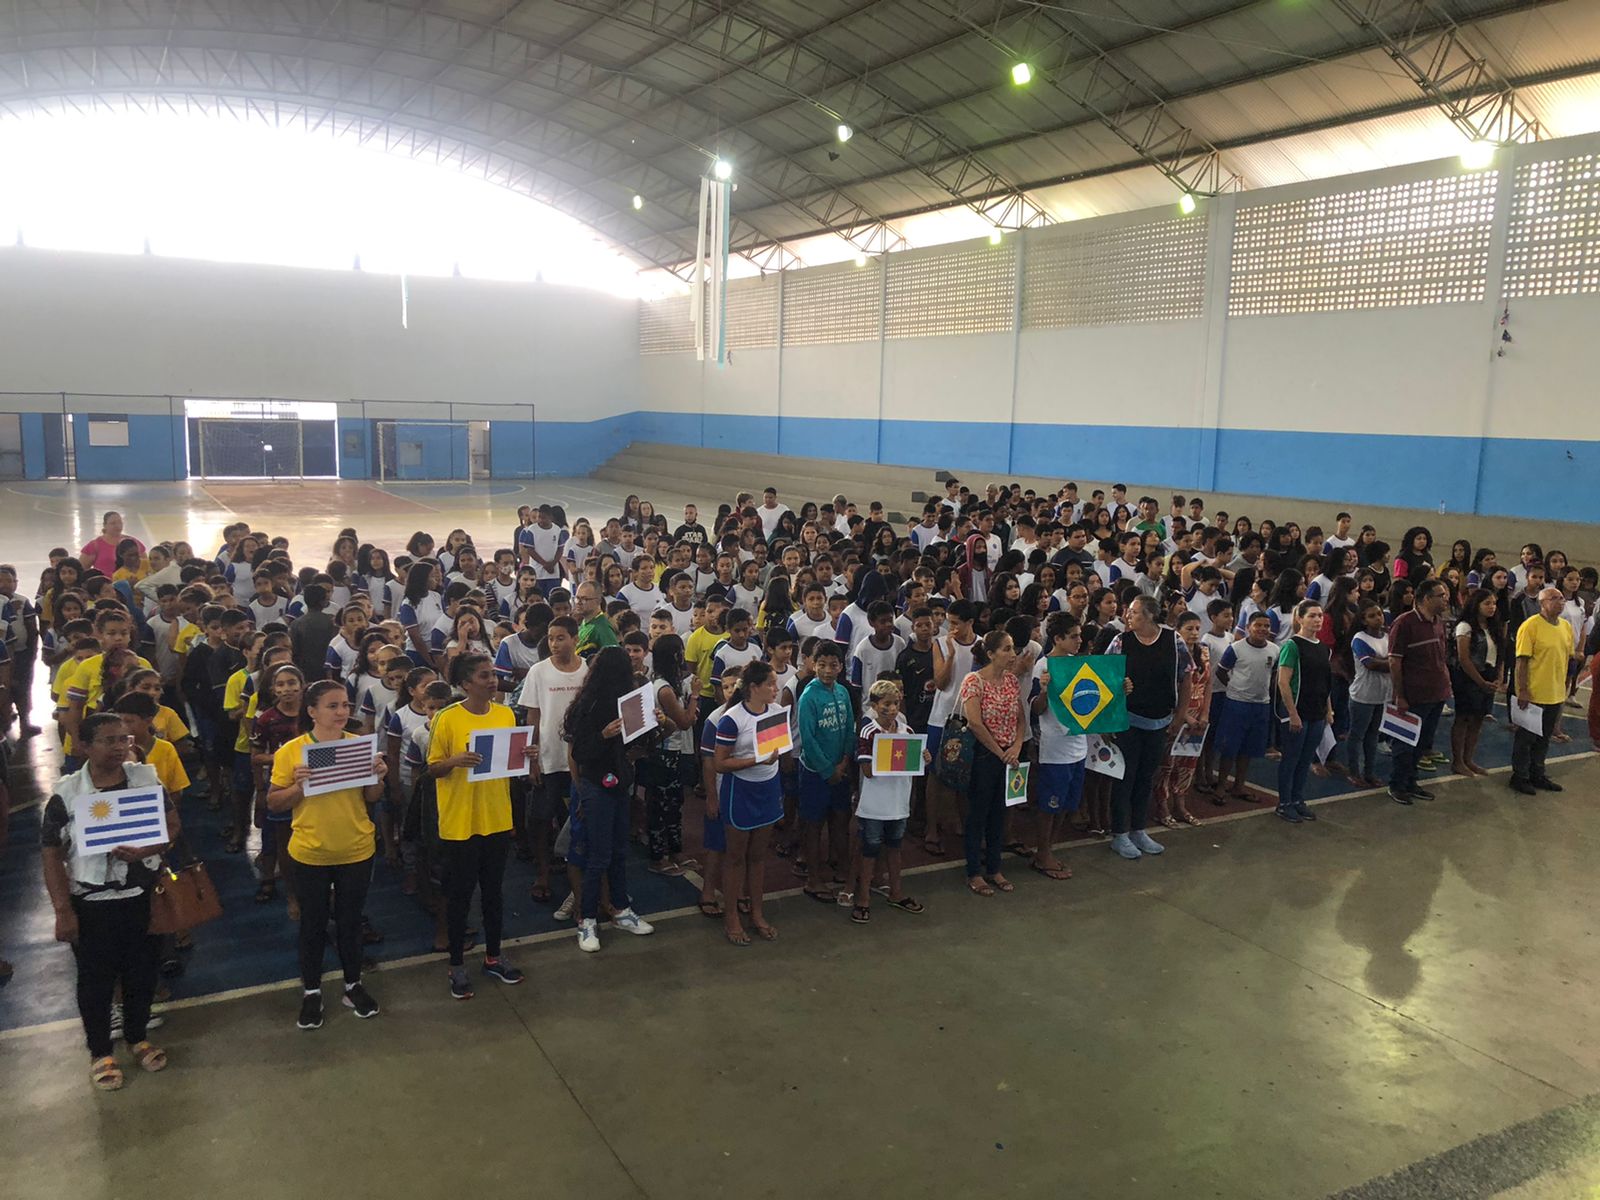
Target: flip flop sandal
x,y
671,869
907,905
150,1057
710,908
1018,848
743,906
1052,872
766,933
822,897
539,893
1189,819
1003,885
979,888
689,864
105,1074
860,914
266,893
740,939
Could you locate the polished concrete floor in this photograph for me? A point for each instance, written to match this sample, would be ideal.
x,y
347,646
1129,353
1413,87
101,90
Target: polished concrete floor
x,y
1389,1002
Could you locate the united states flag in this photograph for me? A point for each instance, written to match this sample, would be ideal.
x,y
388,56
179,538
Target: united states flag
x,y
337,763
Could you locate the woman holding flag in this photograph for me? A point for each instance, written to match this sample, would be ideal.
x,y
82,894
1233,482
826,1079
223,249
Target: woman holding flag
x,y
749,797
474,818
102,897
332,843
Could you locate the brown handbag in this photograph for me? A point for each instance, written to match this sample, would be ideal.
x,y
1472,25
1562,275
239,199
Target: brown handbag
x,y
182,899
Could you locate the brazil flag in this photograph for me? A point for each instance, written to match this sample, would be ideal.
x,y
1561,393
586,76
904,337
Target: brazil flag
x,y
1086,692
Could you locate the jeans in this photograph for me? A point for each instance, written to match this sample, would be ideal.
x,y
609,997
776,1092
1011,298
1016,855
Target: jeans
x,y
348,883
1403,772
477,862
1362,748
605,826
1528,749
1142,751
114,944
1339,697
1299,752
985,831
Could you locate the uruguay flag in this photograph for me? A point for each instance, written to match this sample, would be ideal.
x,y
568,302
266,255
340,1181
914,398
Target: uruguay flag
x,y
106,820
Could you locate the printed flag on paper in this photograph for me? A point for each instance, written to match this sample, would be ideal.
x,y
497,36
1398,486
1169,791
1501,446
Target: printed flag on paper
x,y
1086,692
105,820
338,765
1105,758
1401,726
772,733
505,753
1017,785
899,754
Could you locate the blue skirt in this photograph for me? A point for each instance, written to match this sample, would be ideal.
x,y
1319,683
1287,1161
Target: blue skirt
x,y
747,805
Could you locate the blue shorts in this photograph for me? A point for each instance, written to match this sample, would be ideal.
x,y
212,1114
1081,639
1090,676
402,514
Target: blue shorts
x,y
714,836
748,805
1243,729
819,797
880,833
1060,787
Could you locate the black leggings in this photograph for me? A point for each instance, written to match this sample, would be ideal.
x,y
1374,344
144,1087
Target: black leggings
x,y
1142,753
114,945
478,862
348,885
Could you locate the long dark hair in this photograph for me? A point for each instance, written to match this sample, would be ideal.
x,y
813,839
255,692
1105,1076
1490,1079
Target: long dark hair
x,y
666,659
1243,582
777,606
1285,590
610,678
1472,614
754,673
418,577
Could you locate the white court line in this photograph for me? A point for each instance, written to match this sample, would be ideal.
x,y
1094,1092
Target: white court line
x,y
554,935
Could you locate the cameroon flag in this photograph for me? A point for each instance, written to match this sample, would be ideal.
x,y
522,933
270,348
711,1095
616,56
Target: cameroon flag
x,y
1086,692
899,754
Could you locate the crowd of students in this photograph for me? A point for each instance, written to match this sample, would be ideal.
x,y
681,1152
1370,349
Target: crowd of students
x,y
226,666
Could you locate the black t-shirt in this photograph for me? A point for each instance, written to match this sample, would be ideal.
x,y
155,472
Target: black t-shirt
x,y
915,668
1313,679
694,534
1154,671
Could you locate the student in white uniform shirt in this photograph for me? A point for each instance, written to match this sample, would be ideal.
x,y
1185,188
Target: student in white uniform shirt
x,y
1340,538
770,512
641,592
812,620
680,602
541,544
875,653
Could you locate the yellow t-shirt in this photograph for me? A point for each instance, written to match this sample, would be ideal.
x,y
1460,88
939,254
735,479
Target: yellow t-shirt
x,y
698,648
186,637
84,682
169,768
123,575
169,725
330,830
1548,648
468,809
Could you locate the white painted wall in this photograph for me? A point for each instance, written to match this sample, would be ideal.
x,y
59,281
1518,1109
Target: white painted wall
x,y
939,378
88,323
1548,383
1144,374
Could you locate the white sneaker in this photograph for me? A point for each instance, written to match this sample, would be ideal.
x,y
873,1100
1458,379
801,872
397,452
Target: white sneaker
x,y
588,936
632,922
568,908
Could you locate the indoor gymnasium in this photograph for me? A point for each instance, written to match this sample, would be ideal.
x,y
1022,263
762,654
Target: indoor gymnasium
x,y
741,598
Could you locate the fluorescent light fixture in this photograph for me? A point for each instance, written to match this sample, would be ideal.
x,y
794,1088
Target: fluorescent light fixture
x,y
722,169
1186,203
1478,155
845,132
995,236
638,203
1021,74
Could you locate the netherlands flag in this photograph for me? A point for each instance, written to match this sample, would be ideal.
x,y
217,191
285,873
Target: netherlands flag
x,y
505,752
1402,727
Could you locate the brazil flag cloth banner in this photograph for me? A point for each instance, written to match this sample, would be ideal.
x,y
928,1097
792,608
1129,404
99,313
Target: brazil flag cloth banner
x,y
1086,692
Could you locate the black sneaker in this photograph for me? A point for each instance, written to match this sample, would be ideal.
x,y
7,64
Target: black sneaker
x,y
460,985
360,1002
1417,793
1523,787
503,971
1400,797
1305,812
1289,813
310,1011
1546,784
